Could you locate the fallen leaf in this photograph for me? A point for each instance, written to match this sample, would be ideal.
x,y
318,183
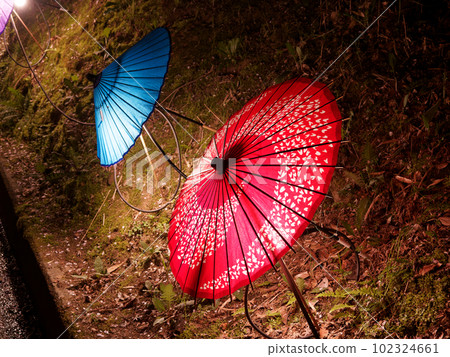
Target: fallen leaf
x,y
403,179
158,321
435,182
445,221
427,268
323,332
312,303
113,268
302,275
323,284
441,166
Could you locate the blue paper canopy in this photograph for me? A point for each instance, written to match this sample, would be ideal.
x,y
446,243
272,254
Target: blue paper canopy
x,y
6,7
125,94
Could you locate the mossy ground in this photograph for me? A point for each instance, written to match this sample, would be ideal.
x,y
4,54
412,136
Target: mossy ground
x,y
391,198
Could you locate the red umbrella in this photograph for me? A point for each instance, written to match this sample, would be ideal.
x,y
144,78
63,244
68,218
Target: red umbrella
x,y
256,188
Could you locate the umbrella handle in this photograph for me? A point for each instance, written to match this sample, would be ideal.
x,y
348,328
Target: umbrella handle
x,y
300,300
247,314
161,150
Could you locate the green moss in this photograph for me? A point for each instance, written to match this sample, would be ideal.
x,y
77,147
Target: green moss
x,y
420,307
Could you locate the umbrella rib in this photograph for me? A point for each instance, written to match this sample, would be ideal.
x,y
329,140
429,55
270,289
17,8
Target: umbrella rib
x,y
262,109
110,107
135,96
276,200
283,182
185,249
115,79
128,70
190,201
215,246
294,149
117,83
251,145
253,229
193,195
283,165
109,122
233,139
263,215
188,223
277,111
137,61
147,90
238,236
195,246
206,244
132,106
226,240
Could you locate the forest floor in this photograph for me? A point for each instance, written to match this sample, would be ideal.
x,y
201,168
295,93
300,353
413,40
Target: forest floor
x,y
108,264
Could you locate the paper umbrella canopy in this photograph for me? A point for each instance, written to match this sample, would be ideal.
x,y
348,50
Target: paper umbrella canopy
x,y
256,188
6,7
125,94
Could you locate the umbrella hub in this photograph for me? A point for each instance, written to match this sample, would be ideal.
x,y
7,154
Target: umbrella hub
x,y
220,165
94,78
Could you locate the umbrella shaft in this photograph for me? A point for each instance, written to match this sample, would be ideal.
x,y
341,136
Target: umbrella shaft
x,y
188,119
301,301
177,169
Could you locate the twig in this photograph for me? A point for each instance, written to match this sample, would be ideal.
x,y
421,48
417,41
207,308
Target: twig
x,y
371,206
215,115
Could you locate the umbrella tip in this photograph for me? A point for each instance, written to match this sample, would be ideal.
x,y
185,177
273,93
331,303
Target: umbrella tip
x,y
94,78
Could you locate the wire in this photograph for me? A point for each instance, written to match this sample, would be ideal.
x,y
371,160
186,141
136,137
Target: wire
x,y
43,52
168,160
39,82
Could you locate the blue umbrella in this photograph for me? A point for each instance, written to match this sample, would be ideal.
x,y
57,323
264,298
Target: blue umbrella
x,y
125,95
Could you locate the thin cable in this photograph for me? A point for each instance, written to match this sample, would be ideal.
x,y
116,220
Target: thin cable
x,y
39,82
43,53
349,46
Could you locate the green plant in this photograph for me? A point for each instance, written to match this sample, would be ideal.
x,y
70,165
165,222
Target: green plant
x,y
99,266
229,48
297,54
166,299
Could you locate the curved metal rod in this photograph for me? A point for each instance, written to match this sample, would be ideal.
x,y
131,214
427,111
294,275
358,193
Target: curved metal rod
x,y
16,61
161,150
247,314
39,82
342,239
179,178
